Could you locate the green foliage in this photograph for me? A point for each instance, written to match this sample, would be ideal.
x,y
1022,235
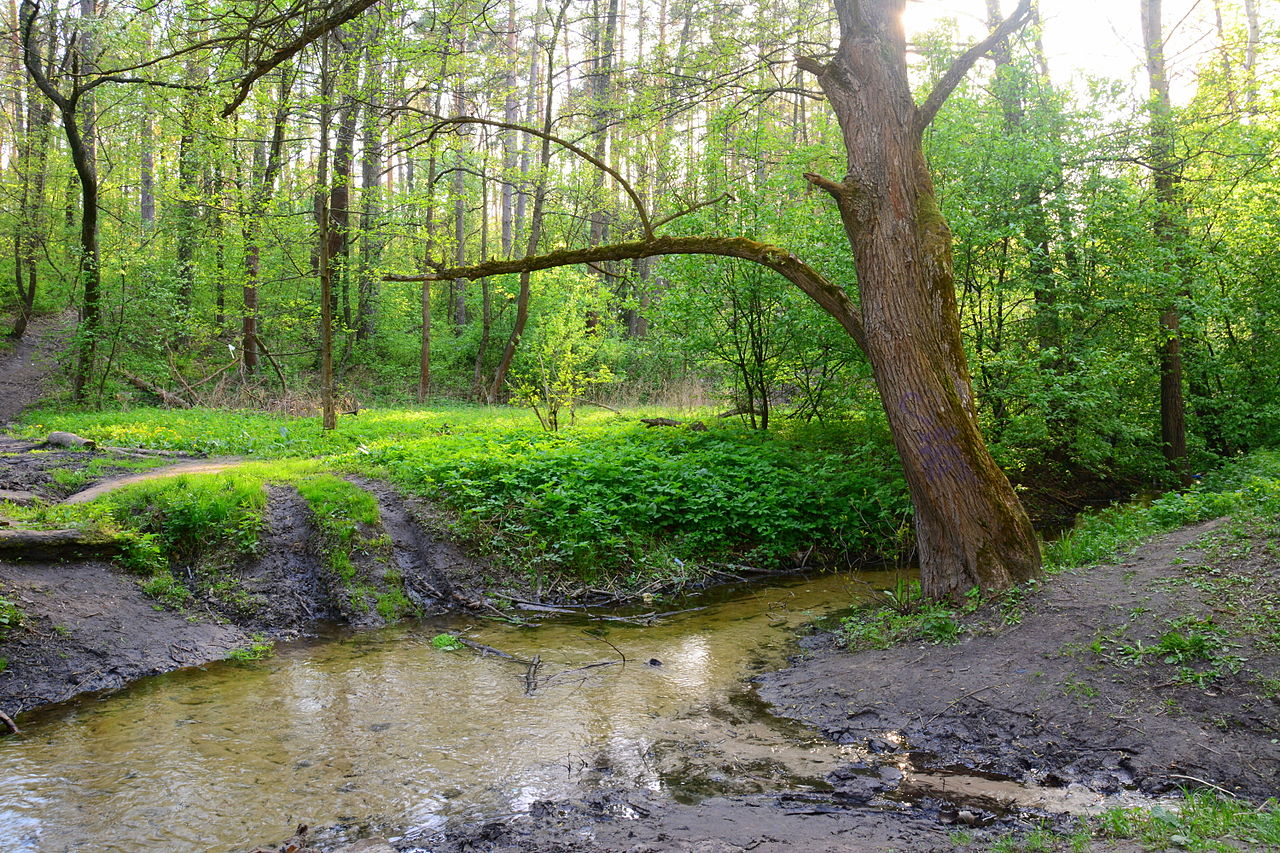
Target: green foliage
x,y
445,642
562,356
10,617
259,648
184,517
1202,820
1247,485
625,498
608,498
164,587
907,617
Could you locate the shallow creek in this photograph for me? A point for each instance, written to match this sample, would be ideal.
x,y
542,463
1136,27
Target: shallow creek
x,y
383,731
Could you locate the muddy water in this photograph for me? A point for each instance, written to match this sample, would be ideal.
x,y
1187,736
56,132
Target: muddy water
x,y
382,730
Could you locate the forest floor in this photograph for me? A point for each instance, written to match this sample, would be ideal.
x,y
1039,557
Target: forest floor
x,y
25,364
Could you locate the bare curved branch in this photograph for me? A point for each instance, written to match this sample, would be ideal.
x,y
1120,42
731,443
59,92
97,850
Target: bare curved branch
x,y
320,28
829,296
641,211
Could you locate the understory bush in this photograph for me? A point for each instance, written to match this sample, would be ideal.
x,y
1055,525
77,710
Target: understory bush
x,y
642,501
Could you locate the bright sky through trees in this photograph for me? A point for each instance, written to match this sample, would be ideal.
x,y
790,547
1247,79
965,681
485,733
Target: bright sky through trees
x,y
1096,38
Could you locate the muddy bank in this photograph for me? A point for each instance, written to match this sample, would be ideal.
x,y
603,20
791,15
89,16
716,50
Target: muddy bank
x,y
87,625
1068,695
636,822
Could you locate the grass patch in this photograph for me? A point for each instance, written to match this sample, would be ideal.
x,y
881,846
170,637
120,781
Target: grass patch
x,y
606,501
903,616
10,617
259,648
1203,820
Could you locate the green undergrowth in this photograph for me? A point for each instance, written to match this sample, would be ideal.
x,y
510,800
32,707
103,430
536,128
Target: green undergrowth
x,y
1247,489
605,502
260,647
185,536
10,617
1249,485
623,502
1201,820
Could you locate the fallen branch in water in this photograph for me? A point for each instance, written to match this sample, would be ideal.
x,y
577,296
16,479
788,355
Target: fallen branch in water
x,y
531,675
641,619
485,651
9,723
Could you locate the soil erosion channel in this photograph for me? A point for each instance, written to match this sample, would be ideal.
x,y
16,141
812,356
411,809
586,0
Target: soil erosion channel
x,y
382,730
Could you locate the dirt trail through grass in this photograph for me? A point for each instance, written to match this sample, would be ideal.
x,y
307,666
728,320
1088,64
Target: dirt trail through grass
x,y
203,466
25,367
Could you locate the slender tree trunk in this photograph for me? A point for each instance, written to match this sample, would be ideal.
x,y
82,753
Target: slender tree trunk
x,y
535,226
340,213
371,240
510,114
325,262
146,160
267,163
188,169
478,389
1171,234
29,233
424,358
458,288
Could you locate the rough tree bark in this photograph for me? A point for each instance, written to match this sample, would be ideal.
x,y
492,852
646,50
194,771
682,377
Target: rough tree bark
x,y
971,528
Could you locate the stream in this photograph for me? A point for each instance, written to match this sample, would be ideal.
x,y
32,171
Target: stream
x,y
381,731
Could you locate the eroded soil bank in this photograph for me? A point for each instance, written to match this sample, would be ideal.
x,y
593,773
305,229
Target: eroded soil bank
x,y
87,624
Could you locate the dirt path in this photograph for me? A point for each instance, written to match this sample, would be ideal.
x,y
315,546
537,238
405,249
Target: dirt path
x,y
203,466
25,367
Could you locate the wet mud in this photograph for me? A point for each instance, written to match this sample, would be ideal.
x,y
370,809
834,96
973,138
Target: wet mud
x,y
1035,702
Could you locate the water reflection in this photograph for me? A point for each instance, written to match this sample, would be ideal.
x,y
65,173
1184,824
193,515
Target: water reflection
x,y
383,728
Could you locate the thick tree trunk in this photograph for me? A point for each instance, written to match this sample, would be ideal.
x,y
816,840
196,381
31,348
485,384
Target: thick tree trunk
x,y
971,529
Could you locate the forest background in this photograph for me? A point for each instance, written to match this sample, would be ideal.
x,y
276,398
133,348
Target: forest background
x,y
194,178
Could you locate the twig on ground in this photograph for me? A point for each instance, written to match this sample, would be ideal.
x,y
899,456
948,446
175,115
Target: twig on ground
x,y
1203,782
957,700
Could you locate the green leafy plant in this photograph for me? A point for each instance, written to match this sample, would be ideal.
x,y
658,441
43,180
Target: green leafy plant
x,y
259,648
10,617
445,642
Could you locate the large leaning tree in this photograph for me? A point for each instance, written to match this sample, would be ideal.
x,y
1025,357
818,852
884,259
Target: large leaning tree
x,y
971,529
